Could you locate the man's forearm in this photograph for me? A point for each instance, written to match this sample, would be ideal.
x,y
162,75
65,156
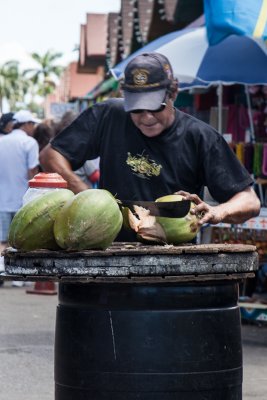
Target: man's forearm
x,y
53,161
74,182
240,208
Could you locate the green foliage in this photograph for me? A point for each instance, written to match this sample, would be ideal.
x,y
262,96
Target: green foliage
x,y
15,84
46,74
12,83
36,109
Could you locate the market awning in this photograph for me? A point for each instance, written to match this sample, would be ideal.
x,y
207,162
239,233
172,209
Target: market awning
x,y
103,87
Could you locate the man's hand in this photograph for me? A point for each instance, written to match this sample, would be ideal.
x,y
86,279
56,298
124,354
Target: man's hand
x,y
205,212
238,209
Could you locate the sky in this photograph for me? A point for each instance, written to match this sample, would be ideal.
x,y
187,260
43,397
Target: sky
x,y
41,25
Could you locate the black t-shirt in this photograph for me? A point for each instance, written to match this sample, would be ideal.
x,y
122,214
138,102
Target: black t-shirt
x,y
187,156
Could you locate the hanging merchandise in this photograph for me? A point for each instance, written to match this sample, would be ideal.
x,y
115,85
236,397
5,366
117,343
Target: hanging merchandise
x,y
259,123
240,152
238,121
257,160
258,96
264,161
248,157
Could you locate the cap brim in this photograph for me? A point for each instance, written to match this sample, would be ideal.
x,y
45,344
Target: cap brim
x,y
36,121
143,100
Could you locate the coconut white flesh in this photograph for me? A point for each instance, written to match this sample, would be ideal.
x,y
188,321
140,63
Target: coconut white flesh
x,y
146,225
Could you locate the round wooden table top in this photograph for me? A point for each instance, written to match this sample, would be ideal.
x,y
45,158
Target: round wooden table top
x,y
132,262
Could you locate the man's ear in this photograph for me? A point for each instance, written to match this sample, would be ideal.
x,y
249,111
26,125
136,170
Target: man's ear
x,y
174,89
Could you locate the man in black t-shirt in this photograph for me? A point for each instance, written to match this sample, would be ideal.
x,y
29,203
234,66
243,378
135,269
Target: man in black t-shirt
x,y
149,149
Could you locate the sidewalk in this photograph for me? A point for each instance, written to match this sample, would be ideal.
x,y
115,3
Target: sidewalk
x,y
27,356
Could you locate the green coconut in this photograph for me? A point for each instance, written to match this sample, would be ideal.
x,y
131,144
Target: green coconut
x,y
164,230
32,226
91,220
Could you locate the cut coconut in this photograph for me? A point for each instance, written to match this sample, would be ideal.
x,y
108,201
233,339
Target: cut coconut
x,y
163,230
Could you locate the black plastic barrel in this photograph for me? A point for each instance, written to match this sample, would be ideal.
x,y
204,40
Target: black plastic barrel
x,y
168,341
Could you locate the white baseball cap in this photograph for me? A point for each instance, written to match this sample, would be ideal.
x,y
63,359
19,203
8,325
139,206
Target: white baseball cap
x,y
24,116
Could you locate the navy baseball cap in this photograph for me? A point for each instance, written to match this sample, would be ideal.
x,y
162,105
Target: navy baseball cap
x,y
146,80
5,118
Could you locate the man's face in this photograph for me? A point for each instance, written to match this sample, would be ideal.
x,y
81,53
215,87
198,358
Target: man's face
x,y
29,127
152,124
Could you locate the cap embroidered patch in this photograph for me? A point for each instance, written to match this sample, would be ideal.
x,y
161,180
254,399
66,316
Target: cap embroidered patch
x,y
140,76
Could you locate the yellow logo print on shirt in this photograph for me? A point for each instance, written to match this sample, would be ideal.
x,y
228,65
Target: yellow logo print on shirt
x,y
142,166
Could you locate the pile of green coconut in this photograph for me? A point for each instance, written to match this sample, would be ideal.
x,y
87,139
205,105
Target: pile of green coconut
x,y
92,219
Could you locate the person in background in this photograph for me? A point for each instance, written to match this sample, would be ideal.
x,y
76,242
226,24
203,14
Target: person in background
x,y
43,133
65,121
19,160
89,173
6,123
148,149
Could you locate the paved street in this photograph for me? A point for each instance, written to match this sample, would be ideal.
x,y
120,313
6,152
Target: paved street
x,y
26,344
26,348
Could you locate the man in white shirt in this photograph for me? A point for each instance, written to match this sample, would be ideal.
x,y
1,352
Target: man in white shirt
x,y
19,160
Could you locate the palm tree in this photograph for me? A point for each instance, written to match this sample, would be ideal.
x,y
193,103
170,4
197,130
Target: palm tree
x,y
46,75
10,83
